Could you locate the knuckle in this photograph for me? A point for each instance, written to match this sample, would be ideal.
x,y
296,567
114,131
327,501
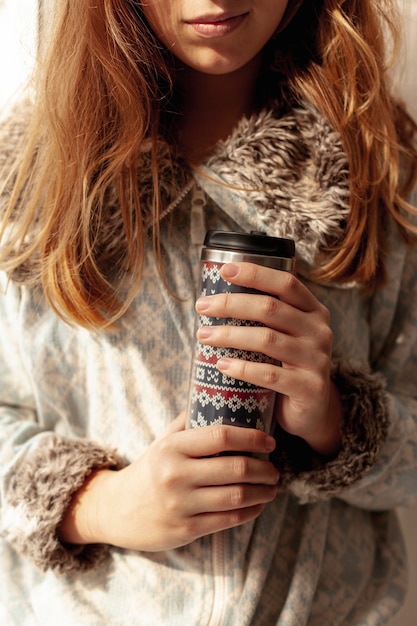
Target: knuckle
x,y
220,435
243,367
325,314
253,272
270,306
227,334
318,386
227,302
168,476
237,497
268,338
235,518
171,506
271,376
190,529
240,466
327,336
322,340
322,361
290,281
169,473
321,386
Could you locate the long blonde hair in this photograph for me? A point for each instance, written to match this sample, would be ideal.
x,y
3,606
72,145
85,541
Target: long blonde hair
x,y
102,88
348,82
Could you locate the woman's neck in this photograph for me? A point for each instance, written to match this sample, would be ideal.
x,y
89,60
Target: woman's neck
x,y
211,106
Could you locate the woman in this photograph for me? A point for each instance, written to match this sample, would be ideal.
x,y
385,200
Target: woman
x,y
174,118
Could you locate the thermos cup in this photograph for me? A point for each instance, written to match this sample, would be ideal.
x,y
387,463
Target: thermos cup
x,y
215,398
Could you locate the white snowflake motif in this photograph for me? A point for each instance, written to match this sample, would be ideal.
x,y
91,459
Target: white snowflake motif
x,y
234,403
218,401
212,273
264,404
250,404
199,422
203,398
207,351
199,373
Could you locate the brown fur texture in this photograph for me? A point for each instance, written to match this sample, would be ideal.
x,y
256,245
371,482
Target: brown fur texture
x,y
364,431
41,491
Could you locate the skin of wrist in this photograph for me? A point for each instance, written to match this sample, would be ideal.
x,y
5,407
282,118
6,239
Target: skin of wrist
x,y
327,441
82,522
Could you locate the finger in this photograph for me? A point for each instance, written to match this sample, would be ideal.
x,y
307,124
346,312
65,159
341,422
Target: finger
x,y
311,353
176,425
233,469
231,498
301,385
267,310
284,285
211,440
277,345
207,523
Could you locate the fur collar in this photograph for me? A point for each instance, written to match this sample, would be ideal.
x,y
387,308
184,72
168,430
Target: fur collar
x,y
286,176
296,169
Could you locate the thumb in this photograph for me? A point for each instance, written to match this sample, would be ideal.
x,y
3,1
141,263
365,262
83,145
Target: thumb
x,y
176,425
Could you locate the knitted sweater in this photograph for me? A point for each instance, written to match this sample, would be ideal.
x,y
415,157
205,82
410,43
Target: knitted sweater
x,y
326,551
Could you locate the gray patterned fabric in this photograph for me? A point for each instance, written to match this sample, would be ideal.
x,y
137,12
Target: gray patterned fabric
x,y
326,551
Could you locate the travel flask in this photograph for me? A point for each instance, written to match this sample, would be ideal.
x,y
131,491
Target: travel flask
x,y
215,398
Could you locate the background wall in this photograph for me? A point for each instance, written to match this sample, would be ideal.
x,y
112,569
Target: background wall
x,y
407,70
18,43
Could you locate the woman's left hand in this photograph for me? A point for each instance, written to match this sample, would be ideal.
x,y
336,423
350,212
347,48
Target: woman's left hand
x,y
296,332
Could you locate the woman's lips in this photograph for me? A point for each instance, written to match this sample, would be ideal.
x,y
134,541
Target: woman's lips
x,y
217,26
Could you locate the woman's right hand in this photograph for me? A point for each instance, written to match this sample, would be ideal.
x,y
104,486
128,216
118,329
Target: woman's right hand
x,y
176,491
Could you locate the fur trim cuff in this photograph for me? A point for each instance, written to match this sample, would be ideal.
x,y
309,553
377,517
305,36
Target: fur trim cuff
x,y
39,494
311,478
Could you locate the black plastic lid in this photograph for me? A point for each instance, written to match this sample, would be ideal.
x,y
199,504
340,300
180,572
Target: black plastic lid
x,y
254,243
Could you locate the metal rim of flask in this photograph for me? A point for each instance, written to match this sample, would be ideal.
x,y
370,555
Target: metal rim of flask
x,y
228,256
255,247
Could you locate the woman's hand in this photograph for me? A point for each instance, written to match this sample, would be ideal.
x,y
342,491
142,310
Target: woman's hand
x,y
295,332
176,491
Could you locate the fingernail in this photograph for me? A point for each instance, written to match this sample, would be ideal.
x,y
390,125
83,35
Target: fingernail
x,y
270,443
229,270
223,364
204,332
202,304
